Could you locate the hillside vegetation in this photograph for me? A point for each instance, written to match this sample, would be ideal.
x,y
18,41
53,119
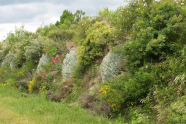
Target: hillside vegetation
x,y
128,63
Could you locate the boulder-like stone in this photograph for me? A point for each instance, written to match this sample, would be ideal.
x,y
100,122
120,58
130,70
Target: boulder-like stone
x,y
69,64
110,66
43,61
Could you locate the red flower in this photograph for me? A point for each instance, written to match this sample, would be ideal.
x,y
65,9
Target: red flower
x,y
44,73
58,60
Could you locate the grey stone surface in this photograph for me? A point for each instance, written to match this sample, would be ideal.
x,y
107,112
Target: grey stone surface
x,y
69,64
43,61
109,66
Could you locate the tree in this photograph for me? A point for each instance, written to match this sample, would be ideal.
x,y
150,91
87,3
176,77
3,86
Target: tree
x,y
67,15
78,15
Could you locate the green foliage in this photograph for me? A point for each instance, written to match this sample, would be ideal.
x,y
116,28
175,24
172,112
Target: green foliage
x,y
124,18
107,14
96,41
19,35
65,25
44,31
156,34
152,33
79,70
66,16
34,49
30,65
23,108
78,15
126,89
82,27
170,107
77,90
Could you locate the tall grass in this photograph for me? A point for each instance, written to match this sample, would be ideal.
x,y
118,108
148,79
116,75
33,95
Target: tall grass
x,y
18,107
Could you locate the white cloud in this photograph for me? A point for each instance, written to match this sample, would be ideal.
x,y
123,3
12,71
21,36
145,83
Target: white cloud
x,y
37,13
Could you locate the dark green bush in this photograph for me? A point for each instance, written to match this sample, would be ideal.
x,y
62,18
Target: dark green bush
x,y
156,34
127,88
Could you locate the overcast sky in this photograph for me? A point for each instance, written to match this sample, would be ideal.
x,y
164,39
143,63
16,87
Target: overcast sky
x,y
35,13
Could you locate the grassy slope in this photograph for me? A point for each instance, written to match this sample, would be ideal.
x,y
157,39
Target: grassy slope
x,y
20,108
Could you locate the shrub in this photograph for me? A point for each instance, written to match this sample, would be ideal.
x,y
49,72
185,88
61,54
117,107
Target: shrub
x,y
82,27
10,59
95,43
126,89
76,91
156,34
30,65
47,78
79,70
34,50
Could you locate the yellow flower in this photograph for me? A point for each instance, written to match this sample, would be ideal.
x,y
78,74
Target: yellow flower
x,y
5,84
30,85
105,89
30,88
101,90
113,105
20,73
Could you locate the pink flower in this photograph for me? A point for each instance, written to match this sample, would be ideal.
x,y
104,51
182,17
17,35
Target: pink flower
x,y
53,60
58,60
40,75
146,66
44,73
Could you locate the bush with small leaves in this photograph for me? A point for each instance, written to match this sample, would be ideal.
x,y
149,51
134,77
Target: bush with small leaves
x,y
96,41
156,34
34,50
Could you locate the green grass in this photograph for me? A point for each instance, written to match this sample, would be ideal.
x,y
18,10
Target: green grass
x,y
20,108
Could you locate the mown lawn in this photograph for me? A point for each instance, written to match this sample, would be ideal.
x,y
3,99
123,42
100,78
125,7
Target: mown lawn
x,y
20,108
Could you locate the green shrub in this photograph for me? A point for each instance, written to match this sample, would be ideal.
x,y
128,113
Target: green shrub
x,y
34,50
77,89
60,35
127,88
82,27
30,65
45,31
79,70
155,35
92,48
